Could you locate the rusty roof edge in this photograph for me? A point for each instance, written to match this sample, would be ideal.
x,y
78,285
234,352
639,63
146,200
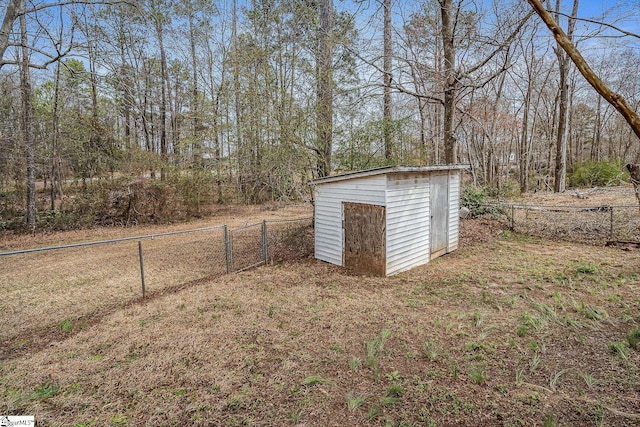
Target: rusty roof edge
x,y
386,170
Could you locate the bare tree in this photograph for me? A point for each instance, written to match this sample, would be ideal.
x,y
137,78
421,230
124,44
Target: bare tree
x,y
615,99
324,87
456,76
560,176
27,122
387,54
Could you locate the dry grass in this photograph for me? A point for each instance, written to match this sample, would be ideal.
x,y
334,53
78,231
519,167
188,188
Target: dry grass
x,y
590,219
46,295
508,330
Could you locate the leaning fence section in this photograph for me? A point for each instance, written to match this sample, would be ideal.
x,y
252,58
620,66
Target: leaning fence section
x,y
66,285
289,239
269,242
588,224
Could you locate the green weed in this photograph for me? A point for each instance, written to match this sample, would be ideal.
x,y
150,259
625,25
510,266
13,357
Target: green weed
x,y
633,338
393,376
534,362
549,421
554,379
66,326
595,313
395,390
477,375
454,371
375,349
589,379
355,364
354,401
478,319
618,348
429,351
45,391
389,400
374,412
315,379
588,268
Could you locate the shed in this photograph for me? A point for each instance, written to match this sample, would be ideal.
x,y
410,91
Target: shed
x,y
387,220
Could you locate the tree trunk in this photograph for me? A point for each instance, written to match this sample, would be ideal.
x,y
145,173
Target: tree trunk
x,y
450,89
196,144
386,114
163,98
564,66
55,171
27,122
524,155
10,14
324,88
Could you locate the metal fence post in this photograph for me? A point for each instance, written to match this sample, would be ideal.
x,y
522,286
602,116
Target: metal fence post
x,y
611,223
141,266
227,249
264,241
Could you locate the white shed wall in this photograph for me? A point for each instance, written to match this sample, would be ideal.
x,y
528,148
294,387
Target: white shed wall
x,y
328,211
454,210
408,218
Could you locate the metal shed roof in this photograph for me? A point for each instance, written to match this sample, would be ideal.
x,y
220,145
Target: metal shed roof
x,y
385,170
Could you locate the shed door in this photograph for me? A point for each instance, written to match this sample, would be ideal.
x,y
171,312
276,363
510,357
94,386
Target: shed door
x,y
364,233
439,202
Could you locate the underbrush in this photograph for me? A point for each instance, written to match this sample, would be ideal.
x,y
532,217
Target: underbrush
x,y
604,173
119,201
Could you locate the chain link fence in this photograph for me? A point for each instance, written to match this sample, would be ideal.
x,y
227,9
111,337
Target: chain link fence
x,y
590,224
66,286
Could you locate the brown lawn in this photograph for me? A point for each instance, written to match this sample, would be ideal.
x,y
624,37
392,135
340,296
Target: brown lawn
x,y
509,330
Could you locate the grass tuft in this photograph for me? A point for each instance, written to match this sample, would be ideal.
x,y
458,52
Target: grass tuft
x,y
588,268
45,391
619,349
477,375
375,349
354,401
66,326
633,338
315,379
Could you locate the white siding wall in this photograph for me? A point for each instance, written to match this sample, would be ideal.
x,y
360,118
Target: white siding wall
x,y
407,221
454,207
328,211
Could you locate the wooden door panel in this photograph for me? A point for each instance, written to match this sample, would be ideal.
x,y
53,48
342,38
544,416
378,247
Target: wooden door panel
x,y
364,230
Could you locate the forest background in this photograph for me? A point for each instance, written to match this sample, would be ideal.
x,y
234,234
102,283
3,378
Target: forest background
x,y
118,112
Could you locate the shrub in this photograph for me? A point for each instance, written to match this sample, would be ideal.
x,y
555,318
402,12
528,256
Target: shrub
x,y
475,199
604,173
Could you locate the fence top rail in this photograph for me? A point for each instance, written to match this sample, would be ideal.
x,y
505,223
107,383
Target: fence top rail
x,y
581,207
244,227
268,221
102,242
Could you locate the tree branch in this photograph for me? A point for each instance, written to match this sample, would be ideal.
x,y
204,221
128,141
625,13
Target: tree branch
x,y
604,24
615,99
500,48
72,2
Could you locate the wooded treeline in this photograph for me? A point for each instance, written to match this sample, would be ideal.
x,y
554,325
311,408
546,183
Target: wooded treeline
x,y
250,99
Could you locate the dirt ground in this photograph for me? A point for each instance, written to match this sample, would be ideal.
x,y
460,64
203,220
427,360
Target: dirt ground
x,y
509,330
622,195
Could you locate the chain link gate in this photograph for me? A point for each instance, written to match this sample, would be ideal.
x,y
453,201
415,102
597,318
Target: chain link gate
x,y
247,247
